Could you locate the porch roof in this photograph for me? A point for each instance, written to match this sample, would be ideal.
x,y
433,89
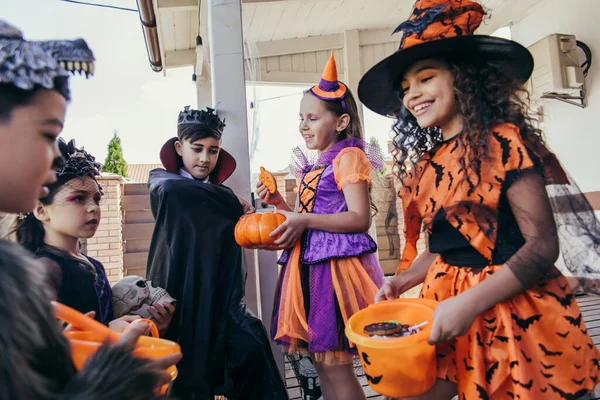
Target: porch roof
x,y
296,30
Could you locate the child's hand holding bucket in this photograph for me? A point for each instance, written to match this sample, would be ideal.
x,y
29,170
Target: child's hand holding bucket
x,y
121,324
452,318
400,283
163,365
90,335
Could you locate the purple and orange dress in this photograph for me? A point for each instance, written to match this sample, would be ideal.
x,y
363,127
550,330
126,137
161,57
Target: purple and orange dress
x,y
327,276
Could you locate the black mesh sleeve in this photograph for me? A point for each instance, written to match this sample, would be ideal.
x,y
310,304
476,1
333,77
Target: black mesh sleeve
x,y
531,207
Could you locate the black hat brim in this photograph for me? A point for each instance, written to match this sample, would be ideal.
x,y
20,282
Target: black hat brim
x,y
377,89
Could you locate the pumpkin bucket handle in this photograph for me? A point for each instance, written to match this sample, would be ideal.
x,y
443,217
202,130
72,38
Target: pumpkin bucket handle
x,y
82,322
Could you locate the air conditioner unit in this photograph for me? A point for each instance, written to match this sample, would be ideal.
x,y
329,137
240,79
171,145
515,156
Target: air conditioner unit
x,y
557,70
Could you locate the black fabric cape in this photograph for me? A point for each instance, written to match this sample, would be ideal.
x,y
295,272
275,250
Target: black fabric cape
x,y
194,256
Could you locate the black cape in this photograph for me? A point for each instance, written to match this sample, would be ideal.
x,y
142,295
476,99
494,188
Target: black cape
x,y
194,256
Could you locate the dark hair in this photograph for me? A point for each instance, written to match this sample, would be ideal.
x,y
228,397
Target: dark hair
x,y
29,230
194,132
12,96
40,365
36,359
354,128
485,97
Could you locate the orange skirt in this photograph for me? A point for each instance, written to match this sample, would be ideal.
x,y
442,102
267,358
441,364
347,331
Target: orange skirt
x,y
533,346
349,283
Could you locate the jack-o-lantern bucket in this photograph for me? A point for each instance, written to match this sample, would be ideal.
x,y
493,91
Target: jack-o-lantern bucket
x,y
253,230
397,367
85,343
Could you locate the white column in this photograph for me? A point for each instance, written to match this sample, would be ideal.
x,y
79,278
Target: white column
x,y
203,77
229,86
353,66
352,75
204,90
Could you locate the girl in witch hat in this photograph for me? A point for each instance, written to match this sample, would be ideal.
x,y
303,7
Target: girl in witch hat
x,y
329,270
477,176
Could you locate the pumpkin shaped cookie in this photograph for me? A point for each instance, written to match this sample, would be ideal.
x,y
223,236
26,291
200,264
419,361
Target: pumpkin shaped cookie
x,y
267,179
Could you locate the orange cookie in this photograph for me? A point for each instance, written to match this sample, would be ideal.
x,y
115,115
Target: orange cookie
x,y
268,180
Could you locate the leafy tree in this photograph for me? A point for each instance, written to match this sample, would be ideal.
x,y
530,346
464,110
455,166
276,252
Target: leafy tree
x,y
115,162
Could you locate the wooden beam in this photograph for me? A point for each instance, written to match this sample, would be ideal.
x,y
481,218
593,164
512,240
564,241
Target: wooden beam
x,y
135,260
353,65
320,43
135,203
292,78
378,36
203,55
180,58
137,231
177,5
300,45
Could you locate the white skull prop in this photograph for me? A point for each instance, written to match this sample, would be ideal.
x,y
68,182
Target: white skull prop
x,y
134,294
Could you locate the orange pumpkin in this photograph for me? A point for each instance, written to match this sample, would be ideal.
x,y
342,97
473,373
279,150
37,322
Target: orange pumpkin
x,y
253,230
267,179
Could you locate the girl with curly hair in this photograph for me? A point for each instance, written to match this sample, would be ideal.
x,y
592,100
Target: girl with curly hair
x,y
474,172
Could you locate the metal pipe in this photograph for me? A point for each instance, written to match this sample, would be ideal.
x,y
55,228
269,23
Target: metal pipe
x,y
148,20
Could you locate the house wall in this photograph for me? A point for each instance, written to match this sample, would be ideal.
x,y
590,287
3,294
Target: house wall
x,y
571,132
107,244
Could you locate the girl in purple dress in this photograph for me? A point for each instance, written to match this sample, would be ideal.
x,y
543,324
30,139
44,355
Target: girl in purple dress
x,y
329,268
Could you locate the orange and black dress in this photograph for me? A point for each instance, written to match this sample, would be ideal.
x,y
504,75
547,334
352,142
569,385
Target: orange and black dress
x,y
536,344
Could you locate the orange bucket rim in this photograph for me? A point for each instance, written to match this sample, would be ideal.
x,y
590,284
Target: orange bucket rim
x,y
73,337
367,341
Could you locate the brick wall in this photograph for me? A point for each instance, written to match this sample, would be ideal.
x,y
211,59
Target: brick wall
x,y
107,245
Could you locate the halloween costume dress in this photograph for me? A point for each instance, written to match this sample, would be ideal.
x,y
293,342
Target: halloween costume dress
x,y
193,255
80,284
534,345
327,276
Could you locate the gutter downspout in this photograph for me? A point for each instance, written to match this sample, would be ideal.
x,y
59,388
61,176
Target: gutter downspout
x,y
148,20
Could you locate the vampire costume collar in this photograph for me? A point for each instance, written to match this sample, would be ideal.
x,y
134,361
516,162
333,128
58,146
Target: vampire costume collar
x,y
172,162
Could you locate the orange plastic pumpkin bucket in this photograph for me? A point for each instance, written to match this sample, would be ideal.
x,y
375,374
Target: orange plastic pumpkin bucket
x,y
84,343
396,367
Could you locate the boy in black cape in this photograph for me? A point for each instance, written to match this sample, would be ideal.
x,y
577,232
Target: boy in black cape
x,y
194,256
